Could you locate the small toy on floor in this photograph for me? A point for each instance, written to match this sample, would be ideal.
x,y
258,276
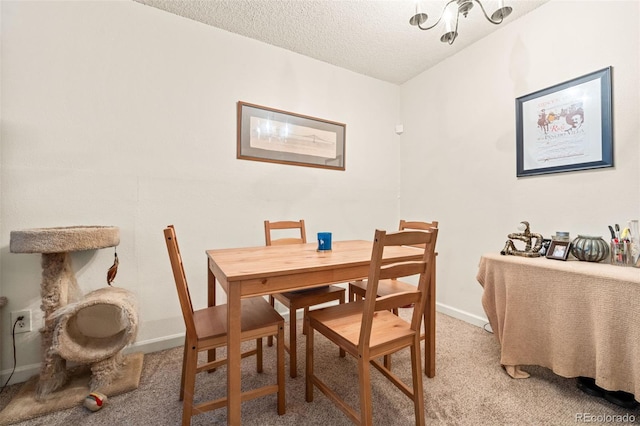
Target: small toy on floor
x,y
95,401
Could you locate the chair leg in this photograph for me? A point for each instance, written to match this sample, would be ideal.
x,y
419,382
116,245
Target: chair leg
x,y
427,345
272,302
341,351
191,357
364,386
293,361
309,364
304,324
280,370
416,373
259,355
387,362
387,358
185,354
354,293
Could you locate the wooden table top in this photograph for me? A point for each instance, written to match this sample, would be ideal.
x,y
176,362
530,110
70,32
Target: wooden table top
x,y
237,264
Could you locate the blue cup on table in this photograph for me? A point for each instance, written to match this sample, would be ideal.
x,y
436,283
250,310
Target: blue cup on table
x,y
324,241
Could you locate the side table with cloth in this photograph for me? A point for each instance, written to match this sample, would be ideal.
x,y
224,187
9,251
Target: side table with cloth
x,y
575,318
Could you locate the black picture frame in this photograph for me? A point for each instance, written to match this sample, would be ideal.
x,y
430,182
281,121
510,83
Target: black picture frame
x,y
566,127
276,136
559,250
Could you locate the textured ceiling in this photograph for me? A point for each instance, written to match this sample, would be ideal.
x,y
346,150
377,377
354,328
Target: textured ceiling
x,y
369,37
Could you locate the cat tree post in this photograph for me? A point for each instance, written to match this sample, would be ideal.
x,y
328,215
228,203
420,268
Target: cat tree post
x,y
59,288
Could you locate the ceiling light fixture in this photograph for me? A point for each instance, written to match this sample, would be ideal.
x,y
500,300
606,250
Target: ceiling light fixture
x,y
448,15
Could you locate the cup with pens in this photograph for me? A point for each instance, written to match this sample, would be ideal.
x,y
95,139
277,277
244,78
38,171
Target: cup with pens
x,y
621,251
634,230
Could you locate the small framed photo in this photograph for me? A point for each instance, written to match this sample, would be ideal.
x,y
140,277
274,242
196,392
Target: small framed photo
x,y
559,250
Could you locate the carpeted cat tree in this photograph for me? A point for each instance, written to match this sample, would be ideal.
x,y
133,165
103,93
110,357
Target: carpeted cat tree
x,y
89,330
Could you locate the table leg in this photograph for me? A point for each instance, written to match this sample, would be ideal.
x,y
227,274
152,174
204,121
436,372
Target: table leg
x,y
430,326
211,301
234,390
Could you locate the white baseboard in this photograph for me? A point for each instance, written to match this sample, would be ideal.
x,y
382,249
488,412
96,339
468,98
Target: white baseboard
x,y
21,374
462,315
156,345
24,373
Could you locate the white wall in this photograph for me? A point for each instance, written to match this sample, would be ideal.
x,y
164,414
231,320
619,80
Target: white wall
x,y
458,150
121,114
115,113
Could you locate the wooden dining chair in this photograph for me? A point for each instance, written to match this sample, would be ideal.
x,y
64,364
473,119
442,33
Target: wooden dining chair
x,y
207,329
357,290
301,299
367,329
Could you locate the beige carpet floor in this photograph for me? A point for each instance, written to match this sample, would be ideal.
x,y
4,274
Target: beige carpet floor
x,y
470,388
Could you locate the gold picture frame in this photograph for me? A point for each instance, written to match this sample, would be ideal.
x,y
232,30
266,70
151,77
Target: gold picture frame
x,y
276,136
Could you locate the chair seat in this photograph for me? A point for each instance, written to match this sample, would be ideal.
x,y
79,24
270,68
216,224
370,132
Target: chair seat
x,y
257,314
308,297
343,322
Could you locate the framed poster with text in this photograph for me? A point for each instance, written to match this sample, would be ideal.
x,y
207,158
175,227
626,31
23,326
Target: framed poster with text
x,y
566,127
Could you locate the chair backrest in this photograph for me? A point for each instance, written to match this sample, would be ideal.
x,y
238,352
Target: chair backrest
x,y
416,225
180,279
284,225
378,271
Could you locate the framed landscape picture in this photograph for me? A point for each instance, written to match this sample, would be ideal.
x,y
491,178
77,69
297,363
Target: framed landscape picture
x,y
566,127
275,136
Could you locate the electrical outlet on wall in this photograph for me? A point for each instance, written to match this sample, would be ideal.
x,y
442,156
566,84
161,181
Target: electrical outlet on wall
x,y
24,321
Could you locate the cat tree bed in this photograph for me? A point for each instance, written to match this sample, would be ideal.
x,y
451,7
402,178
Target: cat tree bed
x,y
90,329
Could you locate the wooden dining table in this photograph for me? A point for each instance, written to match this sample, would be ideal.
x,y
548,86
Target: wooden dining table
x,y
263,270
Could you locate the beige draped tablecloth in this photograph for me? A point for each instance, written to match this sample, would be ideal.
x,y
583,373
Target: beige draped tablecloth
x,y
575,318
